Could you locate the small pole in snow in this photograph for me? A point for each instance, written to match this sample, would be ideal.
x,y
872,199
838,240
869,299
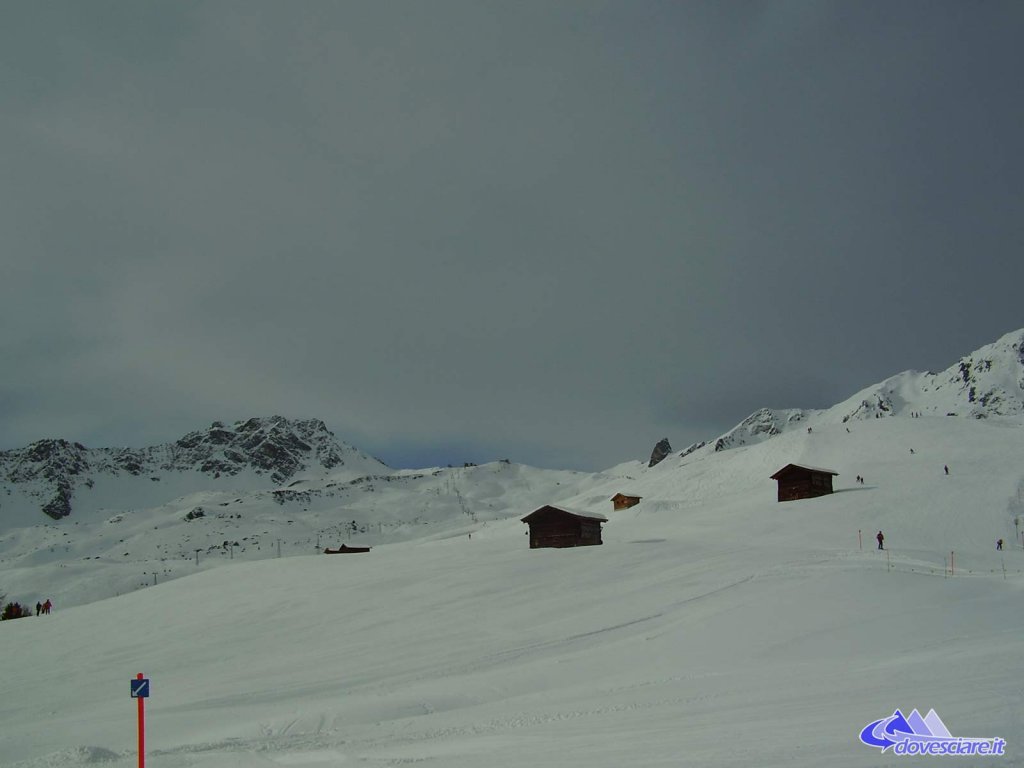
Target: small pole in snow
x,y
860,540
142,728
888,562
1003,562
278,547
952,563
140,691
154,578
231,551
197,556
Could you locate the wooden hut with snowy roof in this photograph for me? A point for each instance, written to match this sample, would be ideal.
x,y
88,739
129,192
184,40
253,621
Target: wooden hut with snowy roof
x,y
556,526
624,501
797,481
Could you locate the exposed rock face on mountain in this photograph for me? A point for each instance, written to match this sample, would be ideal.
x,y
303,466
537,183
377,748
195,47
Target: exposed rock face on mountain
x,y
52,470
661,450
986,384
275,445
759,426
56,465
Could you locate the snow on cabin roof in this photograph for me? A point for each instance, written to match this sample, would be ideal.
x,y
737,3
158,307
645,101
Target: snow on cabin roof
x,y
627,495
804,466
570,511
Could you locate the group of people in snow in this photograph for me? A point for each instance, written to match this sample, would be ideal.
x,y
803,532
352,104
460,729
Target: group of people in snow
x,y
43,607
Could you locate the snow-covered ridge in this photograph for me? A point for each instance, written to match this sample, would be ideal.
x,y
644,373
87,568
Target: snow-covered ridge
x,y
273,448
986,384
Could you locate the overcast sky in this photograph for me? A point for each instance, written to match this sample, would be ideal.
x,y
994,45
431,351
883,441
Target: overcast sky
x,y
460,231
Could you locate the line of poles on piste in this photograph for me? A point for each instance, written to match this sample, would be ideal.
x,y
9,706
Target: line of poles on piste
x,y
949,561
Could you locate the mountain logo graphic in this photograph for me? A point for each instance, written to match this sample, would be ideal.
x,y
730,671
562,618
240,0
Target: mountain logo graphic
x,y
915,735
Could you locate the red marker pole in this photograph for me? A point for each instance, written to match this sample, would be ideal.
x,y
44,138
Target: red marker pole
x,y
142,727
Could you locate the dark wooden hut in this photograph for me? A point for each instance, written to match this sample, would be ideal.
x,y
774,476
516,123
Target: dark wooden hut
x,y
799,482
624,501
344,548
553,526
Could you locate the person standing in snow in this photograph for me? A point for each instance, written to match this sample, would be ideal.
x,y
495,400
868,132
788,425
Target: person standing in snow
x,y
999,544
946,468
47,606
880,538
39,607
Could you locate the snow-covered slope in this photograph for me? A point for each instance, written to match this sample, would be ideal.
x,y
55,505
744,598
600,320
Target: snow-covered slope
x,y
108,547
714,627
987,384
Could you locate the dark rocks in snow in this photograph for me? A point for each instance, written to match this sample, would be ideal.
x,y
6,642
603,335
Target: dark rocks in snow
x,y
60,505
693,447
219,436
48,459
129,461
287,496
52,470
216,466
661,450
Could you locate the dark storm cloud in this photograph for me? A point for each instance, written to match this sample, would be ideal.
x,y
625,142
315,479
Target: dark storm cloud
x,y
553,232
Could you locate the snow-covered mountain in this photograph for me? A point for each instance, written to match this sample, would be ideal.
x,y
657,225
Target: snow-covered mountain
x,y
986,384
127,518
82,524
715,627
56,476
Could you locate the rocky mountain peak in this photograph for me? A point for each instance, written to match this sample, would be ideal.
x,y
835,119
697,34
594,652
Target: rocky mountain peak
x,y
990,381
49,459
54,467
52,470
274,444
661,450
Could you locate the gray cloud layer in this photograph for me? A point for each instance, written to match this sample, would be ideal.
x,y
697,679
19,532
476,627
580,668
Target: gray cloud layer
x,y
468,230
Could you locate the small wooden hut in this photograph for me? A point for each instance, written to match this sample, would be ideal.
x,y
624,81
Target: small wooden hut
x,y
343,549
799,482
554,526
624,501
